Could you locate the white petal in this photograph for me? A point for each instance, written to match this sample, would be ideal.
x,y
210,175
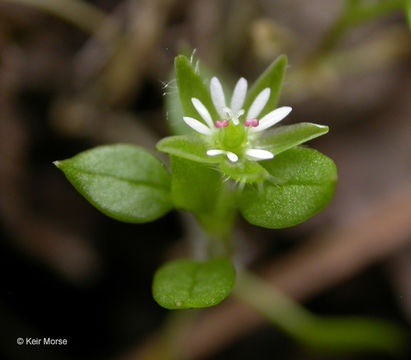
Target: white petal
x,y
217,95
202,110
232,157
272,118
259,154
258,104
240,90
214,152
197,125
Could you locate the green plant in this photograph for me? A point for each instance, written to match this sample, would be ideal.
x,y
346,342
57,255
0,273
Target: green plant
x,y
231,162
227,160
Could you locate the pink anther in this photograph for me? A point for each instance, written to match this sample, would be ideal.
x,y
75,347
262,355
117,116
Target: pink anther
x,y
221,124
251,122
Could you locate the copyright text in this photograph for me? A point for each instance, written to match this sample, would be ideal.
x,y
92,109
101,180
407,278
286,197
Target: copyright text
x,y
41,341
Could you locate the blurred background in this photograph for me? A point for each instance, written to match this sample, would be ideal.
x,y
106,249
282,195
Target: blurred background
x,y
76,74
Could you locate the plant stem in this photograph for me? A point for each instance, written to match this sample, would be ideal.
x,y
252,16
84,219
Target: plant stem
x,y
219,223
345,334
288,315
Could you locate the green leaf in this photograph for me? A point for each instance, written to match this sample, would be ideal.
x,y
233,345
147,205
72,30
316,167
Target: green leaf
x,y
124,182
194,187
244,172
190,147
285,137
302,184
190,85
271,78
186,284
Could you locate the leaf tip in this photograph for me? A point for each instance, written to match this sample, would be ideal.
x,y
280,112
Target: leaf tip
x,y
325,128
57,164
180,60
160,145
282,59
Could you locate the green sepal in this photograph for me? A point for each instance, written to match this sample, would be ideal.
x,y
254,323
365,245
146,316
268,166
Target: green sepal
x,y
187,284
174,113
190,85
190,147
174,109
302,183
124,182
285,137
271,78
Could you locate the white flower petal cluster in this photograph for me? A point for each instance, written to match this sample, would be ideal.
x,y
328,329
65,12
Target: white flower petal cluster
x,y
230,116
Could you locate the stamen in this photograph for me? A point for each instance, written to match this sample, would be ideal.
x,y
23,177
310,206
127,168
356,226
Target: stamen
x,y
251,122
221,124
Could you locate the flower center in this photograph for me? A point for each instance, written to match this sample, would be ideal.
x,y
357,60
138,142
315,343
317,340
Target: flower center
x,y
232,137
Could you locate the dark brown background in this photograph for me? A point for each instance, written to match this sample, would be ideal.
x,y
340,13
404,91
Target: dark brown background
x,y
68,271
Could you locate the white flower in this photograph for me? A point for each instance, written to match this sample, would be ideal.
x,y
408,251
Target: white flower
x,y
232,115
